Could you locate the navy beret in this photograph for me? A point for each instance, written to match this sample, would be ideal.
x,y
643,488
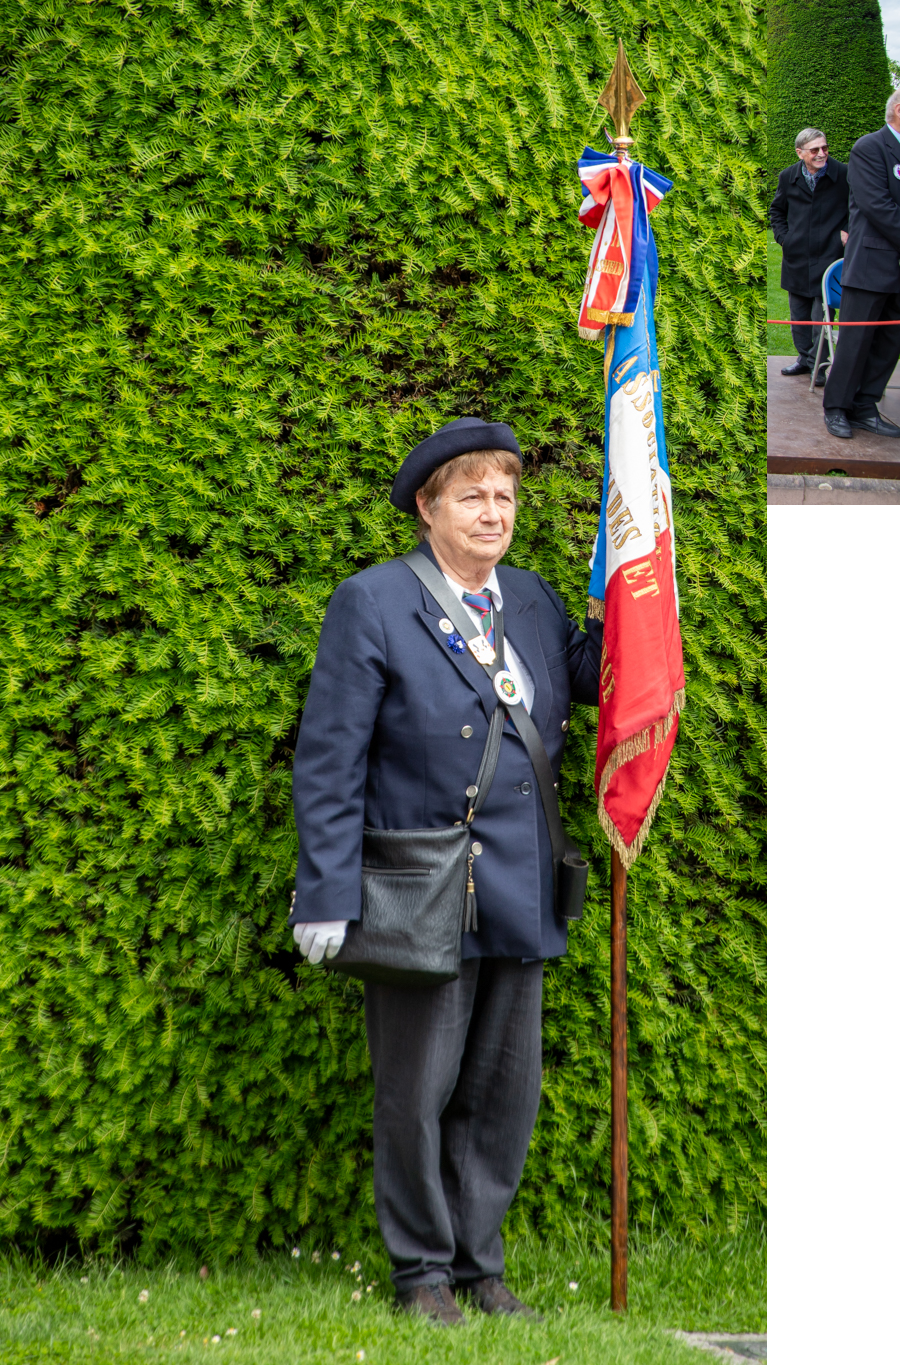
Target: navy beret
x,y
456,438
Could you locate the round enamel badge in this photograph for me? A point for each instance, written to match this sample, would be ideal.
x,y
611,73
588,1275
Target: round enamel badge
x,y
507,688
897,170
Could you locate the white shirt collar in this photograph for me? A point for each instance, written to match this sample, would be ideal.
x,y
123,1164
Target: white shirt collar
x,y
490,582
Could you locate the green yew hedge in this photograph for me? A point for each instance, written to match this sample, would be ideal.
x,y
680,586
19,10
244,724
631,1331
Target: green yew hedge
x,y
828,68
249,255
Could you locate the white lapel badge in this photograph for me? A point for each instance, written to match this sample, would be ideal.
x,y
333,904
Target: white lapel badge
x,y
483,651
506,689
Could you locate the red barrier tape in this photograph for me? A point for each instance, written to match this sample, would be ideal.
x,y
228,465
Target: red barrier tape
x,y
780,322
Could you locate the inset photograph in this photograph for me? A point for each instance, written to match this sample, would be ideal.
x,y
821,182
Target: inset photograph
x,y
833,300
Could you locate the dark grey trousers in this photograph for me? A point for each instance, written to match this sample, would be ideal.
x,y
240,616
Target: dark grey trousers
x,y
867,356
457,1085
806,339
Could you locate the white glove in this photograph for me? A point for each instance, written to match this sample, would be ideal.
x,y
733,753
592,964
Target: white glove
x,y
316,941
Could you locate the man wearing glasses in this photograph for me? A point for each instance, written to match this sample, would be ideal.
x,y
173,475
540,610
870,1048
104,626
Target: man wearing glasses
x,y
870,289
809,218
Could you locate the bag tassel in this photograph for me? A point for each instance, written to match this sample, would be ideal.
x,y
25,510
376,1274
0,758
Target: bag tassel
x,y
470,922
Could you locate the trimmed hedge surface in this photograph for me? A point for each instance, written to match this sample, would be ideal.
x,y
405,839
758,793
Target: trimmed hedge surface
x,y
828,68
249,255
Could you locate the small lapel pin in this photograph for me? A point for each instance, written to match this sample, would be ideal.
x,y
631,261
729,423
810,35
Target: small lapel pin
x,y
456,643
445,625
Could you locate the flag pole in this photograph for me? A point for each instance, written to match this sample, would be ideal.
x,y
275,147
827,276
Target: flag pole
x,y
619,1012
621,97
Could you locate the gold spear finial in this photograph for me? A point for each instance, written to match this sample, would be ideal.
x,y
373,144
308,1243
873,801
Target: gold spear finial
x,y
622,97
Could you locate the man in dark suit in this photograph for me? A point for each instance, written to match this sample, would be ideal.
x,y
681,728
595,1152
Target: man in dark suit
x,y
870,287
809,217
391,736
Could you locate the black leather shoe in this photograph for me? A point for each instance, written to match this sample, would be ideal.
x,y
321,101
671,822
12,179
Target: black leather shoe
x,y
492,1296
797,368
435,1301
836,423
821,379
876,424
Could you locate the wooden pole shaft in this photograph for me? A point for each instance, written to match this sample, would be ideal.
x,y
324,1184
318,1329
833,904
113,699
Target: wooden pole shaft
x,y
619,997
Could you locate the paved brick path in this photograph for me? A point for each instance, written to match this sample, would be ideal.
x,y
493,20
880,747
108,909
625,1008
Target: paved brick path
x,y
797,442
819,490
736,1347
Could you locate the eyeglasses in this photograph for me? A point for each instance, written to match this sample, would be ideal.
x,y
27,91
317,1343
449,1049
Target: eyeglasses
x,y
815,150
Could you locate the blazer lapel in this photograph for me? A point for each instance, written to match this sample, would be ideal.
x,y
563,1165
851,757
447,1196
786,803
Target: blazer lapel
x,y
893,150
466,664
519,625
520,628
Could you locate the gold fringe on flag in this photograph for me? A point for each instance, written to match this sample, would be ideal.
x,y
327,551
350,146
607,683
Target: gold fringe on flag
x,y
623,753
607,318
596,609
611,319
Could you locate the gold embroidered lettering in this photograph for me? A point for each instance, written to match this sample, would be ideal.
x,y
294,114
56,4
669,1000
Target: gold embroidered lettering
x,y
635,573
607,681
624,368
634,383
632,531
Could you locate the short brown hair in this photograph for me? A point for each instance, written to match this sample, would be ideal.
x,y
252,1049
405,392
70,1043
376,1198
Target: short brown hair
x,y
472,465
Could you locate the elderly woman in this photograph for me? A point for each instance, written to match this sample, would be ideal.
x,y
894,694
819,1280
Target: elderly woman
x,y
391,735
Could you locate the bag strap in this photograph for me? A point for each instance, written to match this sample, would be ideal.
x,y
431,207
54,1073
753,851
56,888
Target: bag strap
x,y
437,585
488,764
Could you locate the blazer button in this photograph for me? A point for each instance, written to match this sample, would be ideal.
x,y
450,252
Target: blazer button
x,y
525,789
467,732
565,726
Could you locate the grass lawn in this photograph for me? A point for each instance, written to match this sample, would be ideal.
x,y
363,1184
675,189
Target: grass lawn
x,y
283,1308
778,339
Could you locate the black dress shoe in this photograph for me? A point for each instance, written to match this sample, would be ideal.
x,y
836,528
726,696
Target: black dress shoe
x,y
821,379
876,424
492,1296
797,368
836,423
433,1301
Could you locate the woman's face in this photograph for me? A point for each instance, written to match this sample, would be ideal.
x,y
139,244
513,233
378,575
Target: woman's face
x,y
473,521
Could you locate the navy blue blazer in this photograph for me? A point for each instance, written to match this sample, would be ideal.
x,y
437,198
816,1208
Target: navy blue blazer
x,y
872,253
381,744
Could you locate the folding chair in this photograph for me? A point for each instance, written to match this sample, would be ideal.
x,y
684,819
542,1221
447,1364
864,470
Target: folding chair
x,y
831,302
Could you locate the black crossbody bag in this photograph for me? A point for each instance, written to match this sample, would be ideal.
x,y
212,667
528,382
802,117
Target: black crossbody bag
x,y
418,895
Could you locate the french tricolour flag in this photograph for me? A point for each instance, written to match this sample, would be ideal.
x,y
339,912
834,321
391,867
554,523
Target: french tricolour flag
x,y
633,586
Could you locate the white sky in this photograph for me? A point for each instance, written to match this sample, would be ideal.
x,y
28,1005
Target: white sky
x,y
890,14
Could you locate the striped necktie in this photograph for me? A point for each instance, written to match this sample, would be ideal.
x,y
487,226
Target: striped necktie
x,y
481,602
